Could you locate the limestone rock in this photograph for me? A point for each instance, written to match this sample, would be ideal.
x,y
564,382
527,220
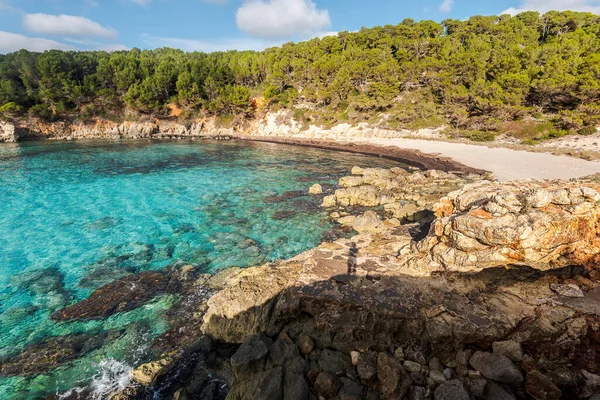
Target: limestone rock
x,y
368,222
315,189
487,225
569,290
147,374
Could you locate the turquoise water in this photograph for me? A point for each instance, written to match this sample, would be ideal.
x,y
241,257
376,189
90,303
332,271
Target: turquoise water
x,y
75,216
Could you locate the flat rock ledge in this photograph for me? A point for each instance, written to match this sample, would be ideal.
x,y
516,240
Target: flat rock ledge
x,y
454,287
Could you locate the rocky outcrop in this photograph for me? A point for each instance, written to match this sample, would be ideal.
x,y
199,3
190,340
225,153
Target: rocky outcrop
x,y
545,226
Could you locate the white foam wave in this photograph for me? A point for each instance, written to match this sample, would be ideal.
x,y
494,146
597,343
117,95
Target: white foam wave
x,y
114,376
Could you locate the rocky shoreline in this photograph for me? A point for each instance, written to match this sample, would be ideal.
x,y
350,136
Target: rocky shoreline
x,y
454,287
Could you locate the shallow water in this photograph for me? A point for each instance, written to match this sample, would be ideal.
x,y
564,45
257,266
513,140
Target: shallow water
x,y
75,216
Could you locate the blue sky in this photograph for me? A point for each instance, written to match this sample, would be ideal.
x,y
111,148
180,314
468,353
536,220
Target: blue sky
x,y
211,25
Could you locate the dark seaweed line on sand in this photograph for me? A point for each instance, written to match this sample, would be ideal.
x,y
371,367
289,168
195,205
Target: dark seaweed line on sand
x,y
411,157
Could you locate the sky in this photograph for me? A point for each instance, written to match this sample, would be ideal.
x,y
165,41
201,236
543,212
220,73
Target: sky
x,y
216,25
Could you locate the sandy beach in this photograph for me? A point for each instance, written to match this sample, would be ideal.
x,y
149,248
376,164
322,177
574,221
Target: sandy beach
x,y
505,164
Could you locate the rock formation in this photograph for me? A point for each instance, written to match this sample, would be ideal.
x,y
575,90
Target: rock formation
x,y
452,289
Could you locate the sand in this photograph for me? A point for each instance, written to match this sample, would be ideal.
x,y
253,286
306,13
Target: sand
x,y
505,164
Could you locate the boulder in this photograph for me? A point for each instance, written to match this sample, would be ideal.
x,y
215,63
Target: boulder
x,y
487,225
540,387
368,222
496,367
509,348
315,189
451,390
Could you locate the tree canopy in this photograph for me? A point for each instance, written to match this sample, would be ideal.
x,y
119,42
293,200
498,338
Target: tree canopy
x,y
474,74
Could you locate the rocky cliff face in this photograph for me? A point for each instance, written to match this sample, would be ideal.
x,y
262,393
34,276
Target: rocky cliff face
x,y
274,125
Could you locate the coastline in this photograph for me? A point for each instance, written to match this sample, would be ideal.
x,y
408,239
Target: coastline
x,y
424,149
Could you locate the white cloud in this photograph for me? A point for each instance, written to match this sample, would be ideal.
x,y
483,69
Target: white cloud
x,y
209,46
66,25
281,18
10,42
142,2
544,6
446,6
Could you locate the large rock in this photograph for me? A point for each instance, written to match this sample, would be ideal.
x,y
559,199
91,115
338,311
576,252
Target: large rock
x,y
540,387
496,367
541,225
451,390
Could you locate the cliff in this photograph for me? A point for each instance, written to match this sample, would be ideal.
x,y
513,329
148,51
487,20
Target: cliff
x,y
277,125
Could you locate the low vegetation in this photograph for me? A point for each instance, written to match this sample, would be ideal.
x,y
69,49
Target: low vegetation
x,y
530,76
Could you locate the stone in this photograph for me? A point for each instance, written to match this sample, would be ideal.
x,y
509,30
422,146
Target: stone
x,y
315,189
399,352
463,356
416,393
451,390
393,381
327,385
329,201
350,390
335,362
437,376
305,344
569,290
498,368
368,222
494,391
120,296
367,365
250,357
354,355
476,386
412,366
540,387
509,348
148,374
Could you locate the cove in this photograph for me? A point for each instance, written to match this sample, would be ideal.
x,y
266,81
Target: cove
x,y
76,216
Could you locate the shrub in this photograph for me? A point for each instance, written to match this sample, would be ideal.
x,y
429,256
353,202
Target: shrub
x,y
41,111
587,130
480,136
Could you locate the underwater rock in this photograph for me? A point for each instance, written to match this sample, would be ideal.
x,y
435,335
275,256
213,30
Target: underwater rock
x,y
285,214
47,286
102,223
41,357
123,295
285,196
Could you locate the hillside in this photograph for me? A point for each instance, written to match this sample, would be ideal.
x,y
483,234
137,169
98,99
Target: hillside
x,y
530,76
